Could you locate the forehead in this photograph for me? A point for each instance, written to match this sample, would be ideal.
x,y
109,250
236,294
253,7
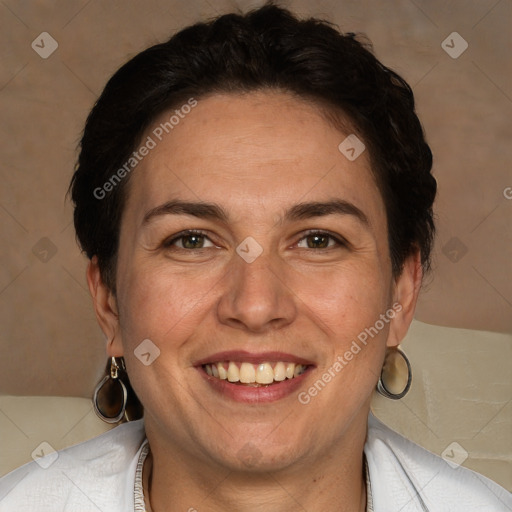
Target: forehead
x,y
257,150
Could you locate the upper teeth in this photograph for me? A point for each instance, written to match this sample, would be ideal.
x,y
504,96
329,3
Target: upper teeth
x,y
248,373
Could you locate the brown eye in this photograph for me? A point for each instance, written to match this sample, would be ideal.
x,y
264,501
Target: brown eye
x,y
320,240
317,241
192,241
189,240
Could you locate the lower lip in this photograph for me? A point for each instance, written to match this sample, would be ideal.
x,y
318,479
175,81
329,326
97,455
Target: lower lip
x,y
250,394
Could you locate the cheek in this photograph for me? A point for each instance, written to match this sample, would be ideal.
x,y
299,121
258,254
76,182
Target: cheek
x,y
350,305
164,307
160,303
348,299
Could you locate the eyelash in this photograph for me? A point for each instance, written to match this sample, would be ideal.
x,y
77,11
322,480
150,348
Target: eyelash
x,y
340,242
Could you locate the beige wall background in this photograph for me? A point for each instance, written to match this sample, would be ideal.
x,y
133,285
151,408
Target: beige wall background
x,y
49,340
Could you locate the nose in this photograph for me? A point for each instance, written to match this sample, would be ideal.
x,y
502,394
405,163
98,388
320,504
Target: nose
x,y
256,297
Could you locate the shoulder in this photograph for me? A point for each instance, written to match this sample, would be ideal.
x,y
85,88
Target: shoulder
x,y
404,476
97,474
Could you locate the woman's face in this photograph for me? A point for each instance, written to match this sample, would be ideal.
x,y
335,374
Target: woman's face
x,y
272,276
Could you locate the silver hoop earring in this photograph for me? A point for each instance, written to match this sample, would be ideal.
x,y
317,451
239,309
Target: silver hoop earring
x,y
396,375
110,395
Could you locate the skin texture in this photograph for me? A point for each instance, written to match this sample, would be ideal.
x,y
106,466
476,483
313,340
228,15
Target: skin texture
x,y
256,155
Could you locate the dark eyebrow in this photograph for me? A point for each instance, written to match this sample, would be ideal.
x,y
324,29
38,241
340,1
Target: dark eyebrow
x,y
297,212
320,209
196,209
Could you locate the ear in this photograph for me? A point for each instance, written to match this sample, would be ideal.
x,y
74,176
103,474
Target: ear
x,y
406,289
105,307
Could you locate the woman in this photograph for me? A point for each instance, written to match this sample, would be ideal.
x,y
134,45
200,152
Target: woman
x,y
255,199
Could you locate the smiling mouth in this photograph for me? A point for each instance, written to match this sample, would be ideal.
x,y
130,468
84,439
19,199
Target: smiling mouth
x,y
255,375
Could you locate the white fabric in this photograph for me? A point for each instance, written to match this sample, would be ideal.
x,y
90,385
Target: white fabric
x,y
407,478
99,475
138,490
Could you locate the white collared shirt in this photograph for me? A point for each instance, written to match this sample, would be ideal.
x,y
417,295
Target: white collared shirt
x,y
105,474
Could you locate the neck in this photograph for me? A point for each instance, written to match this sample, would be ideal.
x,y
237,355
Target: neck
x,y
334,484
